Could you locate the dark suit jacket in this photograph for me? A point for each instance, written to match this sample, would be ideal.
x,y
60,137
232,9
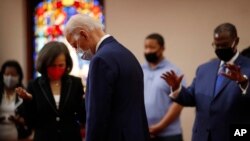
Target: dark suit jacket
x,y
215,114
114,97
50,123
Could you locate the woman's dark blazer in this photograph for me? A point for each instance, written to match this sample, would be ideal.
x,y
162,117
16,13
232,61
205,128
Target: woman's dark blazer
x,y
50,123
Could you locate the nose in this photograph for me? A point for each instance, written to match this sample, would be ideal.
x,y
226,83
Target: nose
x,y
147,50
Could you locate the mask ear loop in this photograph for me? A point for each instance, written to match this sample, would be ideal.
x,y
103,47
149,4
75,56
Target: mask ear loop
x,y
78,49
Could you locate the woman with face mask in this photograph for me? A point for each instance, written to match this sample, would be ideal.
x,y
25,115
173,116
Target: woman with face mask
x,y
54,102
12,125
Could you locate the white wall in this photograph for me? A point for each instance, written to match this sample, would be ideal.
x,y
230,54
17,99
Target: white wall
x,y
13,32
186,25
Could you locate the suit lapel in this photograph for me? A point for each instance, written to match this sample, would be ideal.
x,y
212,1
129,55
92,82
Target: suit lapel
x,y
46,91
211,77
65,92
225,82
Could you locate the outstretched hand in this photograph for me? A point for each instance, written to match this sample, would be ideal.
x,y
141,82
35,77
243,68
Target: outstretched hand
x,y
172,79
234,73
23,93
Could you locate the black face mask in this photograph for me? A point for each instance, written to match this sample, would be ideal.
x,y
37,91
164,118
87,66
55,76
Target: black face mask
x,y
151,57
225,54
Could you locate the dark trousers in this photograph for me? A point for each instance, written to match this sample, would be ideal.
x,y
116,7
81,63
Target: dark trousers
x,y
168,138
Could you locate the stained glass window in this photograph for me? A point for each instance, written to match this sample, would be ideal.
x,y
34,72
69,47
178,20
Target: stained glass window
x,y
49,22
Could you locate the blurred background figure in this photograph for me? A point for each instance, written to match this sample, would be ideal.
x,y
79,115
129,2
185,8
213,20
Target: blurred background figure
x,y
246,52
162,113
54,102
12,125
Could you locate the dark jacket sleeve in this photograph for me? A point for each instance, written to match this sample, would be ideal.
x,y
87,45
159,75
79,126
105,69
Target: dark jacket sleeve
x,y
187,95
29,107
99,99
23,129
81,101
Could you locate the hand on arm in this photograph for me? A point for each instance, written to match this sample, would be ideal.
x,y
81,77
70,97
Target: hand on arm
x,y
23,93
172,114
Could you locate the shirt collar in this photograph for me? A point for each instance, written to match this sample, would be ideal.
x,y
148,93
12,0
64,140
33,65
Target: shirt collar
x,y
101,40
232,60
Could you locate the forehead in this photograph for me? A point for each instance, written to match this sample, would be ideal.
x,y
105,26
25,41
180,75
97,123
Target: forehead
x,y
151,42
60,58
10,70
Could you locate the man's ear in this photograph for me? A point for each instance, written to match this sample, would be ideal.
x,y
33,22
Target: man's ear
x,y
84,34
162,49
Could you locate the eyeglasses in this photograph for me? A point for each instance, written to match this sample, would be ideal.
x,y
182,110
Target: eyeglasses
x,y
222,45
218,46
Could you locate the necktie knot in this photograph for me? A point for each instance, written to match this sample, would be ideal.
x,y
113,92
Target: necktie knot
x,y
222,68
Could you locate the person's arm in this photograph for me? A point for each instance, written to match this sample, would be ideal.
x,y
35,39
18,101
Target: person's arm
x,y
29,106
244,84
180,94
99,94
24,131
174,83
175,94
172,114
81,104
80,114
234,73
23,93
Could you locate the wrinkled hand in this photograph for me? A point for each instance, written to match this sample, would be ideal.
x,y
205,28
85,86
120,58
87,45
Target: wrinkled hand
x,y
234,73
17,120
23,93
172,79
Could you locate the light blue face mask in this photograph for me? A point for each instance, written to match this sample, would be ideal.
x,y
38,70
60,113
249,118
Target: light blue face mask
x,y
85,55
10,81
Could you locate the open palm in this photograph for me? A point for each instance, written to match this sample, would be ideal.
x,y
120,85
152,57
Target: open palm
x,y
172,79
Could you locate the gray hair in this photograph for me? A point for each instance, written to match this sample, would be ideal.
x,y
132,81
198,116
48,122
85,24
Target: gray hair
x,y
82,21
